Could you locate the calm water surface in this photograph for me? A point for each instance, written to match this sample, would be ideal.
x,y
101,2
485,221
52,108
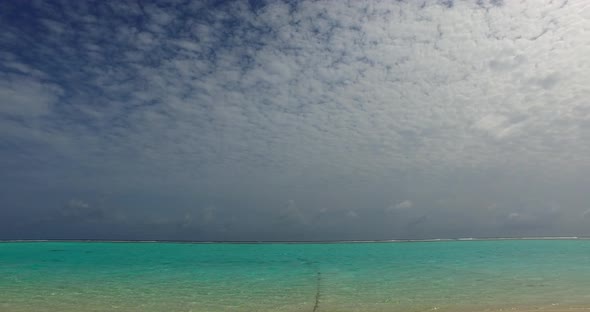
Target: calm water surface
x,y
450,275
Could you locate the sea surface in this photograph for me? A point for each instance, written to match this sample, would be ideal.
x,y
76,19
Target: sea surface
x,y
489,275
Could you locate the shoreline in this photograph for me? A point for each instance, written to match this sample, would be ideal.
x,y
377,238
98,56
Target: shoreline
x,y
364,307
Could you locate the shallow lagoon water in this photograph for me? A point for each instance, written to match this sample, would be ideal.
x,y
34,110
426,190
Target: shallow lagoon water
x,y
551,275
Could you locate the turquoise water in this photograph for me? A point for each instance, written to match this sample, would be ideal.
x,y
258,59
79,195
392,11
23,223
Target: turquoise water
x,y
451,275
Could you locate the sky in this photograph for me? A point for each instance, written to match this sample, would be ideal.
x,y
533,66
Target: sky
x,y
296,120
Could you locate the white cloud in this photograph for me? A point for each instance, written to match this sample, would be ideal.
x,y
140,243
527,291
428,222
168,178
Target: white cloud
x,y
26,97
291,215
76,210
406,204
400,206
77,204
351,214
403,88
514,216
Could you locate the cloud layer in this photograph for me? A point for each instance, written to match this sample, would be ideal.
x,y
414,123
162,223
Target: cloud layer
x,y
359,119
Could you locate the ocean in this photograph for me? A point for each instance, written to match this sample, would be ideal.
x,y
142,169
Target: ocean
x,y
476,275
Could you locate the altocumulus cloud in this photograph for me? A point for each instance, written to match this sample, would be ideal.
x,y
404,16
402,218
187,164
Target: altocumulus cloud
x,y
336,108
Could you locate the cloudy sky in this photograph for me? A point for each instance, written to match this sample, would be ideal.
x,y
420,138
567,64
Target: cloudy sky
x,y
297,120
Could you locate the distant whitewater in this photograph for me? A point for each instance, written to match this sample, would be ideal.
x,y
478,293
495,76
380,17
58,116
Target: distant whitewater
x,y
466,274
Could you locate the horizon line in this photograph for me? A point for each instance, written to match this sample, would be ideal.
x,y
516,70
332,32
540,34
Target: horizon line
x,y
462,239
